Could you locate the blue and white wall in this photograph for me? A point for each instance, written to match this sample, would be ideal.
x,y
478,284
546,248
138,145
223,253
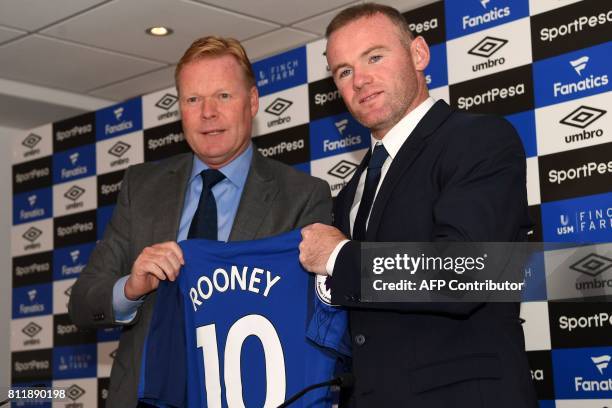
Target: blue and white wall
x,y
543,64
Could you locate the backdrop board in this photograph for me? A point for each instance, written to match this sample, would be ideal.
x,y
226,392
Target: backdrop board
x,y
542,64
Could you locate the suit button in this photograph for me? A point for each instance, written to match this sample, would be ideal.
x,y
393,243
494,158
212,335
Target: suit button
x,y
360,339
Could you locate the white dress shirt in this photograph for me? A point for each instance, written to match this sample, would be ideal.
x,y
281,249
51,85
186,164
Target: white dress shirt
x,y
393,142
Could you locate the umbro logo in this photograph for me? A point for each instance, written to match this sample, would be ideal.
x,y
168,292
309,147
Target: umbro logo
x,y
75,392
74,193
119,149
31,140
582,117
31,329
166,102
487,47
32,234
592,265
278,106
343,169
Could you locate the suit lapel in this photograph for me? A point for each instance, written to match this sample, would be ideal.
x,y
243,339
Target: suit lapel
x,y
406,156
172,187
348,194
259,192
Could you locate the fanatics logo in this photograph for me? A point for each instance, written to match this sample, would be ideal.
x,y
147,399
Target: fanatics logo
x,y
343,169
582,117
119,149
32,234
118,113
592,265
579,64
31,329
341,125
32,200
75,255
74,193
484,3
75,392
278,106
487,47
31,140
32,294
166,102
74,157
601,362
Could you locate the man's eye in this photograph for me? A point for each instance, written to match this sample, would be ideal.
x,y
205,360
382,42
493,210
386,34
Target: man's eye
x,y
191,100
375,58
224,96
344,73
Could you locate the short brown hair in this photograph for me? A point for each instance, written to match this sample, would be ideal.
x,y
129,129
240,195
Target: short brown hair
x,y
351,14
213,46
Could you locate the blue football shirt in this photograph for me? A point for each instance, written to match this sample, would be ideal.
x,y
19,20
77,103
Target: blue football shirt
x,y
248,308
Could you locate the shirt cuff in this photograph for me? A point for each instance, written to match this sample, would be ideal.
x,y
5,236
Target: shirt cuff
x,y
125,310
331,262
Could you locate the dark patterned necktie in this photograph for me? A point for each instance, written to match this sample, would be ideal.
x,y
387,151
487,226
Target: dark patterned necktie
x,y
379,155
204,222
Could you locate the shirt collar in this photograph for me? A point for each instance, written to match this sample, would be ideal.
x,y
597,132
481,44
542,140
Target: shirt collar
x,y
235,171
398,134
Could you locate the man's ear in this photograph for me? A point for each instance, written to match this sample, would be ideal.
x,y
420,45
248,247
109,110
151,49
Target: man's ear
x,y
254,99
420,53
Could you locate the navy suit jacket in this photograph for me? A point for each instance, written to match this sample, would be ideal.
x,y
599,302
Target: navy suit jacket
x,y
458,177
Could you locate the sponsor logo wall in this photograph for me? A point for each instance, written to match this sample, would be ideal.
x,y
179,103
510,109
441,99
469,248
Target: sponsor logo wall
x,y
545,65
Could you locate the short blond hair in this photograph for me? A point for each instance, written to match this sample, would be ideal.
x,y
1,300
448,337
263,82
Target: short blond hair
x,y
213,46
366,10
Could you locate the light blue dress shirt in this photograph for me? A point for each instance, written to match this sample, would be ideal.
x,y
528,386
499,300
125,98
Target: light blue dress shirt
x,y
227,195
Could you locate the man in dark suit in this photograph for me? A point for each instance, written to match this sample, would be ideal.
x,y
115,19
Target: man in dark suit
x,y
255,197
433,174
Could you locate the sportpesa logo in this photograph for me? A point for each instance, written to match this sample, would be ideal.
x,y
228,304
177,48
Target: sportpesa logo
x,y
491,96
596,320
586,170
575,26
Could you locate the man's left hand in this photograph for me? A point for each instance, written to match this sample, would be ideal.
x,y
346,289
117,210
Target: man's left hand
x,y
318,242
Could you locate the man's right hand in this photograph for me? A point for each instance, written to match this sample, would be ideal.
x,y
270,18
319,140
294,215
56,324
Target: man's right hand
x,y
156,262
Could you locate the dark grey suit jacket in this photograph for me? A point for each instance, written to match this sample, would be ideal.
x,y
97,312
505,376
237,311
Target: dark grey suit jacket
x,y
276,199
